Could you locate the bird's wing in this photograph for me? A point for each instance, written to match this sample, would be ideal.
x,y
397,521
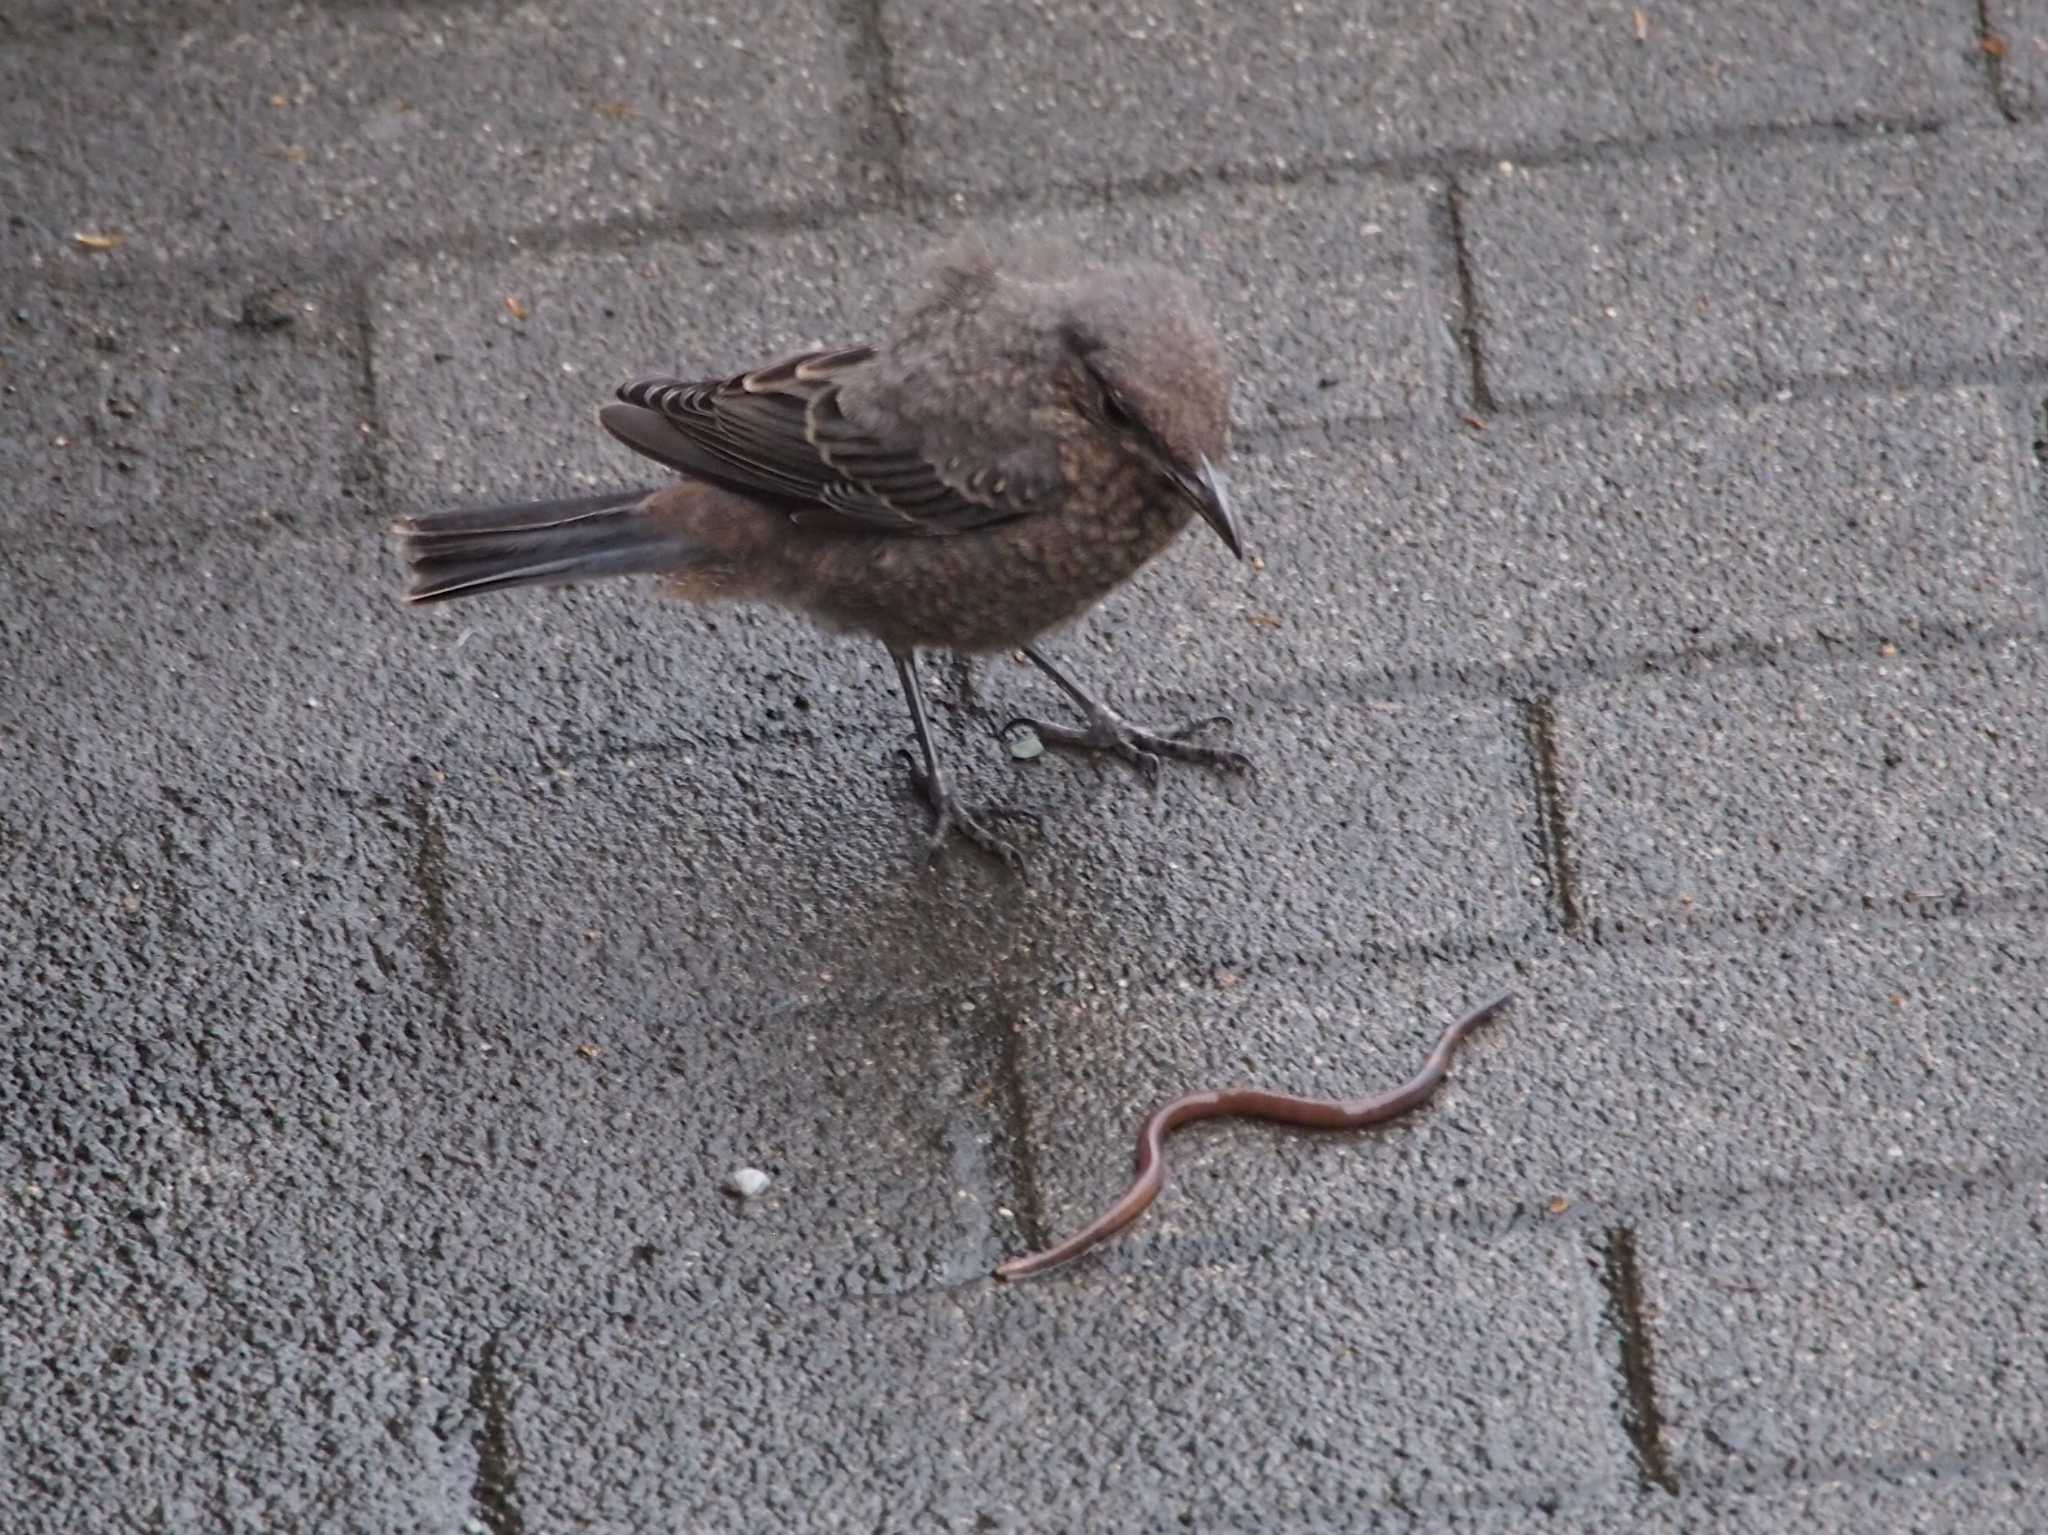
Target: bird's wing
x,y
779,433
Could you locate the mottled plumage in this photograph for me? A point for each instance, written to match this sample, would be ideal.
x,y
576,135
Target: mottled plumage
x,y
1029,431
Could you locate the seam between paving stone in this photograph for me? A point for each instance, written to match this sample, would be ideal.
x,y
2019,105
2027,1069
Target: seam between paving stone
x,y
1845,386
1630,1322
1553,812
494,1493
1469,320
884,135
1991,44
363,451
347,258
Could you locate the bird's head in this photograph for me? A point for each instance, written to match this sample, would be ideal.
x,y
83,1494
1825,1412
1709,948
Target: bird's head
x,y
1148,371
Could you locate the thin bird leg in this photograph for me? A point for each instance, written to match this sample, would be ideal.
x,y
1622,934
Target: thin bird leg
x,y
1109,731
948,814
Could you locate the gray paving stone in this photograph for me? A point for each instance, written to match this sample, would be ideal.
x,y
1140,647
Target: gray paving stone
x,y
2022,27
577,1163
1003,95
1622,1077
1745,790
959,1411
1813,1336
157,415
776,869
207,1004
1405,555
142,1419
1328,303
367,124
1756,266
482,403
255,661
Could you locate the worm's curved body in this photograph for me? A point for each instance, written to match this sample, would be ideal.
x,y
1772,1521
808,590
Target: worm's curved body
x,y
1250,1103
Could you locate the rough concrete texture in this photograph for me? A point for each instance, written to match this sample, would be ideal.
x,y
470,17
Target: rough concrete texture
x,y
1543,548
1641,421
181,413
972,1398
1756,267
1761,1306
351,125
1884,781
1002,95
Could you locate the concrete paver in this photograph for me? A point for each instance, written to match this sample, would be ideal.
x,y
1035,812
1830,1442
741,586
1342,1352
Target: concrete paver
x,y
1002,95
1767,1347
356,122
116,416
1757,267
1881,781
1576,540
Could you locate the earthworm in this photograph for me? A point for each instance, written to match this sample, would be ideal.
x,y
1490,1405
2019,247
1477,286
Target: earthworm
x,y
1249,1103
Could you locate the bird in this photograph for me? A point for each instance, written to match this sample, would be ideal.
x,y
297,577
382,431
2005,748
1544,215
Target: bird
x,y
1029,429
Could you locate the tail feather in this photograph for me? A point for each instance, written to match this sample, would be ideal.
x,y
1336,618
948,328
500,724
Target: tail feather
x,y
538,543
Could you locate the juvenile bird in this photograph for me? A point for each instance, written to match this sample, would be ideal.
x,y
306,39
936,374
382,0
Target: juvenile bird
x,y
1030,430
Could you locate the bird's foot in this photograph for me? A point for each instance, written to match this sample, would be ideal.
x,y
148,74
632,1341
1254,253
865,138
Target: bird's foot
x,y
950,816
1109,731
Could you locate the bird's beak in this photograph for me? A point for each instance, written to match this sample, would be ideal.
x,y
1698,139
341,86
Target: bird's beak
x,y
1210,493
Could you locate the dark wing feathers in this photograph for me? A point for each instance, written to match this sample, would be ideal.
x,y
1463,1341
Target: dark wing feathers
x,y
778,432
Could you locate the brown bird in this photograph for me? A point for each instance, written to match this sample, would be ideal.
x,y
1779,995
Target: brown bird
x,y
1029,432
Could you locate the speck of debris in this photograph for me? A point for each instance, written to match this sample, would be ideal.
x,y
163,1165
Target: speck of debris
x,y
267,309
746,1182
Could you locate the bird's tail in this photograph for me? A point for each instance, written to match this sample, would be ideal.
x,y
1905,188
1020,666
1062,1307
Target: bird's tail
x,y
538,543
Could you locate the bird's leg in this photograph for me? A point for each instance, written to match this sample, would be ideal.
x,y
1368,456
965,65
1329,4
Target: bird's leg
x,y
1109,731
948,814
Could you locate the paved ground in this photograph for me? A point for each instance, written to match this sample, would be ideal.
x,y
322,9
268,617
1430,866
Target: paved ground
x,y
1641,434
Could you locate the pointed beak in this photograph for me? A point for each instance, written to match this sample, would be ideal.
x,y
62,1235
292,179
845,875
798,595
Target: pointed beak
x,y
1209,491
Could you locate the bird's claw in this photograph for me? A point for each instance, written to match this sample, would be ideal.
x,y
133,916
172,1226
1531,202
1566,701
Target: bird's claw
x,y
949,816
1141,748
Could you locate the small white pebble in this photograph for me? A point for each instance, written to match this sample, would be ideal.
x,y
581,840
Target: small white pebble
x,y
746,1181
